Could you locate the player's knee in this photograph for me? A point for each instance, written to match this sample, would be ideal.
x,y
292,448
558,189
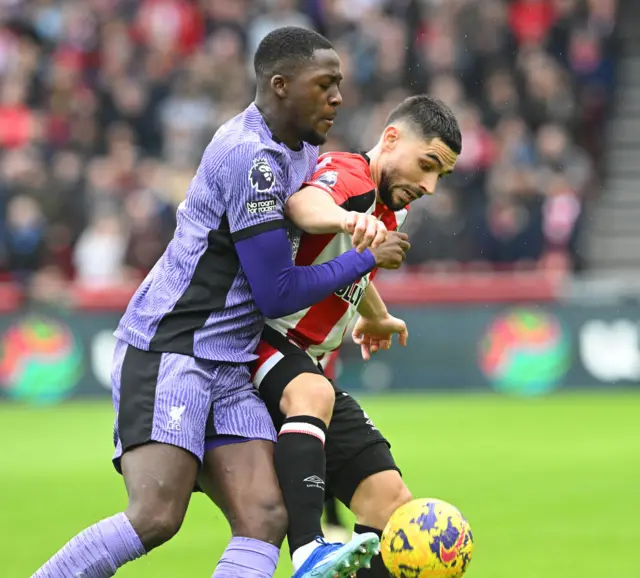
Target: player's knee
x,y
309,394
262,518
159,480
155,523
378,497
400,496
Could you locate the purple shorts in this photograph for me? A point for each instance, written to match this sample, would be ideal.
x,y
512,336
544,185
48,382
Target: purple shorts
x,y
170,398
223,440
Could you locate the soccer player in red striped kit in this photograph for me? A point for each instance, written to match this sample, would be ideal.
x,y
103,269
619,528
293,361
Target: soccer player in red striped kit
x,y
326,441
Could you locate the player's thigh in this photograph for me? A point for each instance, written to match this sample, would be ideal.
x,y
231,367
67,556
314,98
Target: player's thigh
x,y
355,449
161,401
289,381
238,472
240,478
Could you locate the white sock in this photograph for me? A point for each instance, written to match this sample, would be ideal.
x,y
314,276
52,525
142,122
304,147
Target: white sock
x,y
299,557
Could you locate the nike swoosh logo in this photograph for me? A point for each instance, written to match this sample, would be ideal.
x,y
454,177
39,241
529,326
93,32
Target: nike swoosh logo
x,y
449,555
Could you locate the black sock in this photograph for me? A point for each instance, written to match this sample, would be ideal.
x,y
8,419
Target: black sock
x,y
378,569
331,512
301,467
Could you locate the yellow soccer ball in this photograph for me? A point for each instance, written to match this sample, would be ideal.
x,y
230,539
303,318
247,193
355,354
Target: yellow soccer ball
x,y
427,538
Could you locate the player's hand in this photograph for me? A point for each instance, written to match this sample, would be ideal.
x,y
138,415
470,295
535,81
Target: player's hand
x,y
372,335
365,230
392,253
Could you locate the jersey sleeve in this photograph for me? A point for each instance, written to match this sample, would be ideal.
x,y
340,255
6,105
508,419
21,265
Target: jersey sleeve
x,y
394,222
280,288
254,189
337,178
401,217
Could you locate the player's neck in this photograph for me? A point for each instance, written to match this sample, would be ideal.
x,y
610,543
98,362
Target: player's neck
x,y
279,129
376,170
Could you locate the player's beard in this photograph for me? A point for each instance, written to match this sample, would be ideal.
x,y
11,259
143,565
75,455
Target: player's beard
x,y
385,188
314,138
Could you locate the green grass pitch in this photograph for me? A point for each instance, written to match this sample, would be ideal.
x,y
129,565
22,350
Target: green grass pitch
x,y
550,486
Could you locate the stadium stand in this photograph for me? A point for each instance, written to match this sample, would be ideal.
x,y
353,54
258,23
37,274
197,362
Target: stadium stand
x,y
106,106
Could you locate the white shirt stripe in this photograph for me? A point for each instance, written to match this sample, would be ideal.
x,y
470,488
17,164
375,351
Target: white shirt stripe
x,y
266,367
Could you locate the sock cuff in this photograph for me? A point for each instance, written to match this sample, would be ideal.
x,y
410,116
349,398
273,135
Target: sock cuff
x,y
249,558
316,421
253,545
122,525
305,424
362,529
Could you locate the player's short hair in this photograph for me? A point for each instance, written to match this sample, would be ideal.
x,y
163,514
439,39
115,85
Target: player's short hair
x,y
431,117
286,49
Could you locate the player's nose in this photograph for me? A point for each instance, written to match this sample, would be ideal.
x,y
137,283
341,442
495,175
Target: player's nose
x,y
428,184
335,99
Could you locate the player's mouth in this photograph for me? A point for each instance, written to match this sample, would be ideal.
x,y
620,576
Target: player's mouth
x,y
328,121
406,196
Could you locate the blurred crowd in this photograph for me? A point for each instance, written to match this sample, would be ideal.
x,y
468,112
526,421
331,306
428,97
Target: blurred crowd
x,y
107,105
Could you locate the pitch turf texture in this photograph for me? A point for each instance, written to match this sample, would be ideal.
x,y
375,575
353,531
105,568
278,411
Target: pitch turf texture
x,y
550,486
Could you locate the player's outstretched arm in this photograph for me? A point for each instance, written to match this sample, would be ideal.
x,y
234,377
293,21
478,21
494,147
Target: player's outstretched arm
x,y
315,211
375,328
280,288
372,306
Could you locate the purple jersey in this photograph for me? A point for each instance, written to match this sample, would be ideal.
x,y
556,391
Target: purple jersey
x,y
196,300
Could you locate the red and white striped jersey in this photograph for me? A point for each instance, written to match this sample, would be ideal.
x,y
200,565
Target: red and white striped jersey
x,y
320,328
329,363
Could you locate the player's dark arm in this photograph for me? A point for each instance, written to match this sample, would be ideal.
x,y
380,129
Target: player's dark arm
x,y
314,211
279,287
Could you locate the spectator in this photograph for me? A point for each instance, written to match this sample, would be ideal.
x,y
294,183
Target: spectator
x,y
530,20
556,153
100,251
560,216
438,230
24,237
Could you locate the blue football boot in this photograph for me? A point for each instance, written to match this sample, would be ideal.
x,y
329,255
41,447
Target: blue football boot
x,y
340,560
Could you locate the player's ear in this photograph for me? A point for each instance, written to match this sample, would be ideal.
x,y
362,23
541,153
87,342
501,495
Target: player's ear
x,y
279,85
390,137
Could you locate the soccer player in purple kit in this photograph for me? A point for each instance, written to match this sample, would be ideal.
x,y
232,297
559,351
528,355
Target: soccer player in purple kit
x,y
192,327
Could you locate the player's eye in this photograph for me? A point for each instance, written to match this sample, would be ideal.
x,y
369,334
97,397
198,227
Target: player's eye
x,y
329,82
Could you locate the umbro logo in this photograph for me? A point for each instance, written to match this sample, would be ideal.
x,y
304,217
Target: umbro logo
x,y
314,482
369,421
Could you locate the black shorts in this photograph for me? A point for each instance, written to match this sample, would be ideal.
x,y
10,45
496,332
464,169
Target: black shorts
x,y
354,447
